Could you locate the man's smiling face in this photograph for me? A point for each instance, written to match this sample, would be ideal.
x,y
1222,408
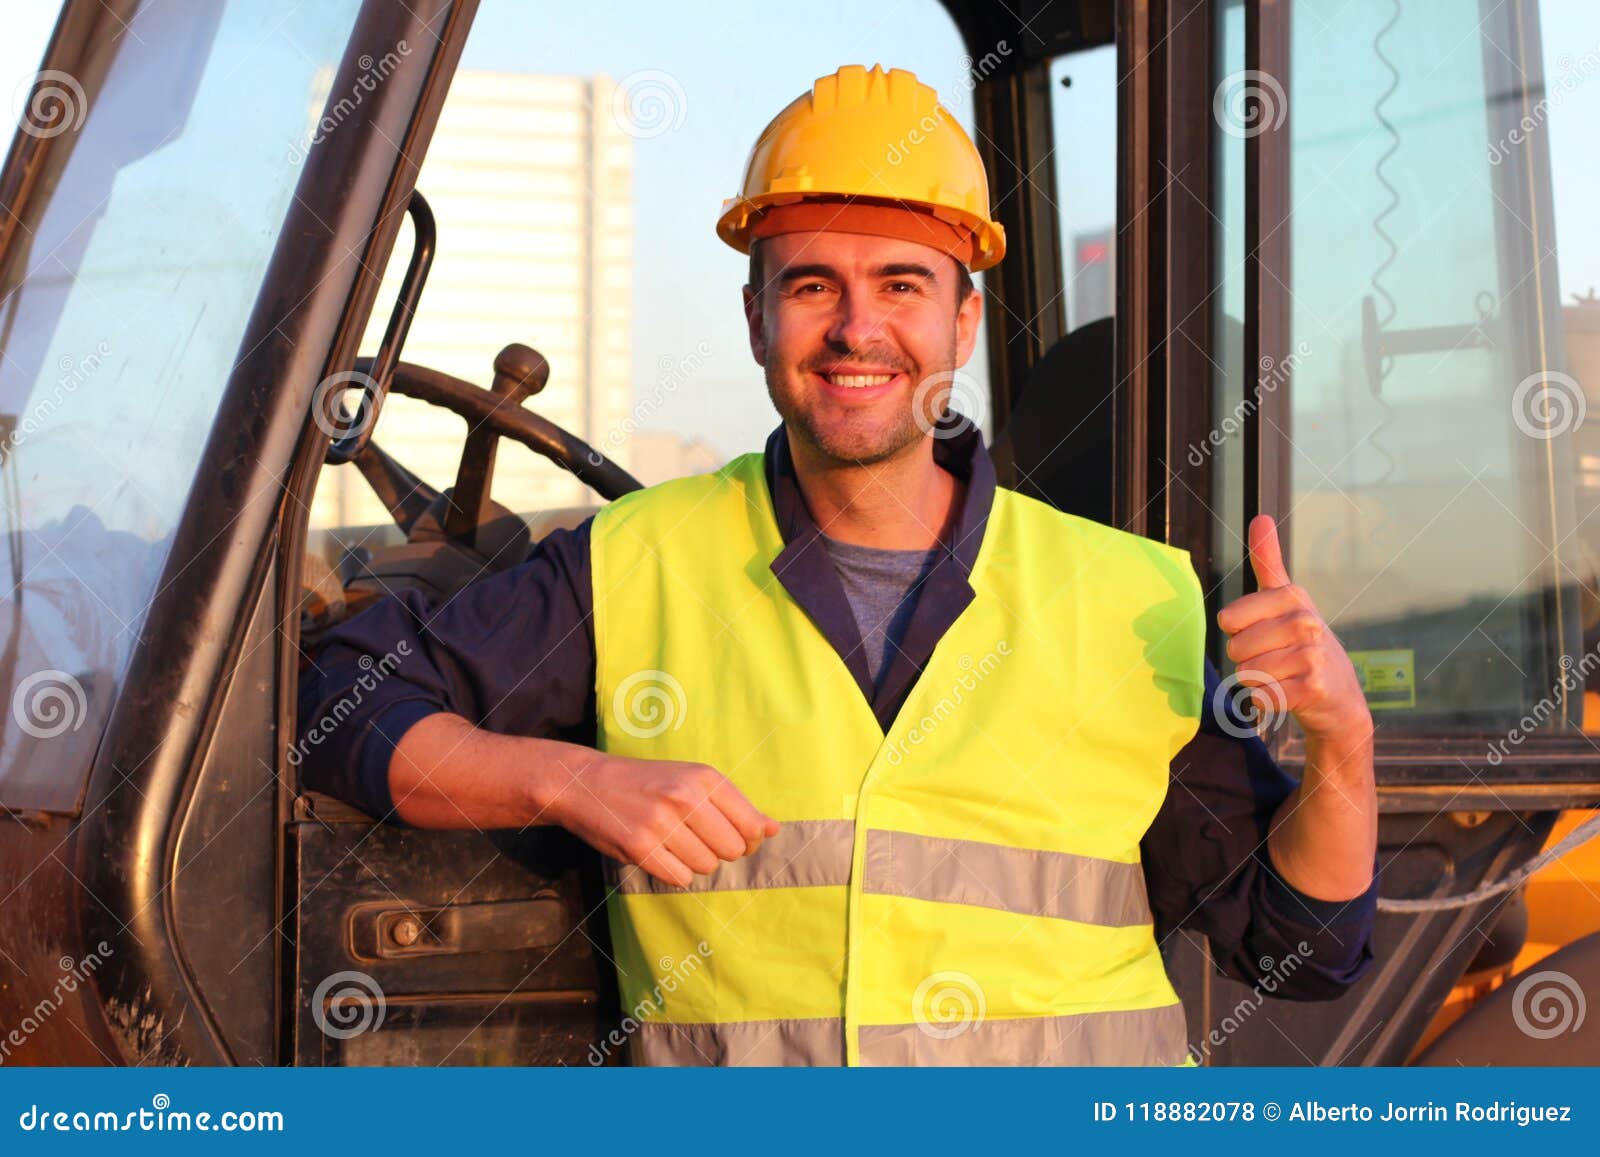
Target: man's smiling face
x,y
847,327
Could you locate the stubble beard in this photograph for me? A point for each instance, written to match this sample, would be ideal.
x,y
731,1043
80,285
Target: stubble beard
x,y
859,439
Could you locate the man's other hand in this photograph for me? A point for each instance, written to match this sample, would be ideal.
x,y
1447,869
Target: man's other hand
x,y
674,820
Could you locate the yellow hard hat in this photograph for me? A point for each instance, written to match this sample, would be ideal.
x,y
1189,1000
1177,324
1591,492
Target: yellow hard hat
x,y
873,136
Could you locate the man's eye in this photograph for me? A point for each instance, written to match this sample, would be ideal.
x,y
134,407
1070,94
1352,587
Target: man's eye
x,y
902,287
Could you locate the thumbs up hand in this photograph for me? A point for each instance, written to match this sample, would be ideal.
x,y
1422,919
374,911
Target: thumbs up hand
x,y
1285,652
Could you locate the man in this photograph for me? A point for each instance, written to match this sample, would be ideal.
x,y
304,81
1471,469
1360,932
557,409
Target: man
x,y
885,748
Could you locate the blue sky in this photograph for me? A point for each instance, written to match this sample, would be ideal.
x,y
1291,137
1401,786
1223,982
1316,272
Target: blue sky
x,y
734,76
735,73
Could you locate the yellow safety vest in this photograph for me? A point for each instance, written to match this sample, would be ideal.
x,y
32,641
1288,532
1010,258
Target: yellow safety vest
x,y
965,889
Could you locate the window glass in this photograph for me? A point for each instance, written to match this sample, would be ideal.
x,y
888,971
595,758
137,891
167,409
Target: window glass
x,y
1225,445
126,285
1444,349
1083,92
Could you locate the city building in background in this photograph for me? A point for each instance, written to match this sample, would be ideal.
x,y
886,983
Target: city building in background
x,y
657,455
1093,277
530,180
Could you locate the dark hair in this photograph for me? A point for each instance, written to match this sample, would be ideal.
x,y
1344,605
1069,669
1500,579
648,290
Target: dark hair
x,y
757,278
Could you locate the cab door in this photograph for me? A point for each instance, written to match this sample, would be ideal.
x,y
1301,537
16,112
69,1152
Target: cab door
x,y
195,201
1375,231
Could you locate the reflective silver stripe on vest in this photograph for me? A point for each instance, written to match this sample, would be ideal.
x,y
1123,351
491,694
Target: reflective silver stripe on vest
x,y
1149,1036
804,854
818,1042
1033,883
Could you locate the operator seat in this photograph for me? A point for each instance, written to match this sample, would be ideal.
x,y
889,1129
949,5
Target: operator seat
x,y
1059,438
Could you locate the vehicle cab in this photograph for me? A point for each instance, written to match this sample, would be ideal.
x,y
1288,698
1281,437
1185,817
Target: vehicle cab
x,y
303,310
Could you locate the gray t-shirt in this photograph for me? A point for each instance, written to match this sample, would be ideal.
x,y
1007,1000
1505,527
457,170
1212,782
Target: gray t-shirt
x,y
882,586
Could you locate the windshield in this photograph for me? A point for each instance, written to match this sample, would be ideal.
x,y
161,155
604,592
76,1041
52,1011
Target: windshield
x,y
171,151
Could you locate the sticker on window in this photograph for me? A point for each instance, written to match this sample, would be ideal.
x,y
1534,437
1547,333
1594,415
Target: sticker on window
x,y
1388,678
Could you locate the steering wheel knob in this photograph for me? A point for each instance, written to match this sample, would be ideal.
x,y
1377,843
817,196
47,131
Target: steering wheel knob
x,y
519,372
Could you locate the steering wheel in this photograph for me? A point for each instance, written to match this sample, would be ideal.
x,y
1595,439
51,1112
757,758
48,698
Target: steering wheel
x,y
491,414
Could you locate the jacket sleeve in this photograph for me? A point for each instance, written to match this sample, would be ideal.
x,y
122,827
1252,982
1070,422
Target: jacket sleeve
x,y
512,653
1207,869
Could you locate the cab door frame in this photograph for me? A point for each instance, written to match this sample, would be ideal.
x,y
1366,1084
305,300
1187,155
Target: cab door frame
x,y
313,303
1444,829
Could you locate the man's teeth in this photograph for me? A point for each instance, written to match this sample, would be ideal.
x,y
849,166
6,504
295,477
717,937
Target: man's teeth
x,y
858,381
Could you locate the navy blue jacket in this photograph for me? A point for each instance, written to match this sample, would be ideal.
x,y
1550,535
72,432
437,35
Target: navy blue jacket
x,y
514,653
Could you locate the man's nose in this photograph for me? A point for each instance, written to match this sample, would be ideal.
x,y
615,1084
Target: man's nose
x,y
858,322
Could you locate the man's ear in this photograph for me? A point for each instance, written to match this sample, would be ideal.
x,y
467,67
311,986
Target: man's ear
x,y
752,317
968,315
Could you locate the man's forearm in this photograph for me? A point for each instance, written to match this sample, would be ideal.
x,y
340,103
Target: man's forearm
x,y
1324,837
676,820
446,773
